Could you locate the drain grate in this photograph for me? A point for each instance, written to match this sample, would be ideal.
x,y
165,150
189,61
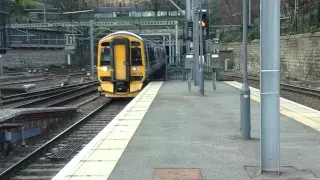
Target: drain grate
x,y
175,174
66,151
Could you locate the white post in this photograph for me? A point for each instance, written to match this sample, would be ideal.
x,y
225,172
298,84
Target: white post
x,y
69,59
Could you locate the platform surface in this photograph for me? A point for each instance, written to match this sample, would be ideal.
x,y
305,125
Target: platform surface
x,y
183,130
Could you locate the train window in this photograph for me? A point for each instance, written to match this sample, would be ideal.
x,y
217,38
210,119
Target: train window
x,y
136,58
105,57
151,55
134,43
105,44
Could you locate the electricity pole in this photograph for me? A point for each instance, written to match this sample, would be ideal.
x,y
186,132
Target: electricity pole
x,y
270,85
245,91
196,29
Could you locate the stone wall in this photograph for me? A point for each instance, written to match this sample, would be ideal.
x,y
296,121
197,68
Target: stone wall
x,y
300,56
29,58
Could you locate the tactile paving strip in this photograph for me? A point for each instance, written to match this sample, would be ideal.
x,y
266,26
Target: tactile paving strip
x,y
176,174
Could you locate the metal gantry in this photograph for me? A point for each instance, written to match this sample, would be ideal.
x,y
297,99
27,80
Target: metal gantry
x,y
201,63
164,40
91,25
91,48
196,32
88,24
188,29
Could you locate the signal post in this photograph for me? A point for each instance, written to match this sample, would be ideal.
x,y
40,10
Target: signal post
x,y
203,32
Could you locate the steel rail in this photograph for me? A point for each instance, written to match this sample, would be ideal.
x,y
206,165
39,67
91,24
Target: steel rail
x,y
7,173
287,87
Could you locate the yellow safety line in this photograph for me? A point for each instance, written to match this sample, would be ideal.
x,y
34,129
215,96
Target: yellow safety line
x,y
284,111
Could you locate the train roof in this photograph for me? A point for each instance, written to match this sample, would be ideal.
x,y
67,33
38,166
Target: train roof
x,y
131,34
123,32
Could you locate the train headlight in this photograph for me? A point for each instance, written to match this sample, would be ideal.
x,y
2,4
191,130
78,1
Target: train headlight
x,y
136,68
105,69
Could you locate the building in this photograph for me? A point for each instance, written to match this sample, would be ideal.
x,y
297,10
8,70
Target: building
x,y
4,20
105,10
119,3
137,8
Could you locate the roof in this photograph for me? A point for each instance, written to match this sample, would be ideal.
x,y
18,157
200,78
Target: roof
x,y
123,32
131,34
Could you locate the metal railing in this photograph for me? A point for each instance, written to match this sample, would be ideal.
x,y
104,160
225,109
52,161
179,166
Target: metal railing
x,y
175,69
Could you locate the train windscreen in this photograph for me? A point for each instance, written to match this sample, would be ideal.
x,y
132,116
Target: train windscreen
x,y
136,58
105,57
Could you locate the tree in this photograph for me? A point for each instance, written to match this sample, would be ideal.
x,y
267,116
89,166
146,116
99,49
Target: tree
x,y
230,11
215,12
18,7
154,5
70,6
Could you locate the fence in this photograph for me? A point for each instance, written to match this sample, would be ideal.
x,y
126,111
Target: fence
x,y
305,20
302,22
175,69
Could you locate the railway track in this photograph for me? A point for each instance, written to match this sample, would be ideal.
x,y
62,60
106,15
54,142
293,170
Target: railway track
x,y
55,151
44,77
285,87
57,94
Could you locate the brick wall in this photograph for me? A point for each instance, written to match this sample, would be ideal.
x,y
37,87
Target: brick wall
x,y
300,56
24,58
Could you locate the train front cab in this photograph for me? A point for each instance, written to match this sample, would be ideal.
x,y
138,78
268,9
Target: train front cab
x,y
121,66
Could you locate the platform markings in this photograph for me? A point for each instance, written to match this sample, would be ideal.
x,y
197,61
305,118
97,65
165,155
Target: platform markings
x,y
298,112
98,158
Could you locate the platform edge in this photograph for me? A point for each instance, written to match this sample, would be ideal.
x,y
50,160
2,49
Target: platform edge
x,y
284,111
77,159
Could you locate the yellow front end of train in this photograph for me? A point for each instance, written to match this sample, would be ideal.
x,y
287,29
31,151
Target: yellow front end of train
x,y
121,65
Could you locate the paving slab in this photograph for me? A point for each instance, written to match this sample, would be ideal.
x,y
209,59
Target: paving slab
x,y
183,130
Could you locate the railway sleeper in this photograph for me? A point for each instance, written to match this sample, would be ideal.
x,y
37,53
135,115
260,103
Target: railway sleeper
x,y
83,141
104,122
89,131
40,170
95,125
78,136
53,165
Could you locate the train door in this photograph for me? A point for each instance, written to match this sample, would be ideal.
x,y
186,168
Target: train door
x,y
121,60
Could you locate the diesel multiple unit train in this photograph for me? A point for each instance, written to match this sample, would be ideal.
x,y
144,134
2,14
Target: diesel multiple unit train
x,y
125,62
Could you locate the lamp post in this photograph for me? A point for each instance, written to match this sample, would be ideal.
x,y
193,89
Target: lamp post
x,y
245,90
44,12
136,6
135,16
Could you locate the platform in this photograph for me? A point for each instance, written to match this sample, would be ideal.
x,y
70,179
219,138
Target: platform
x,y
6,114
165,127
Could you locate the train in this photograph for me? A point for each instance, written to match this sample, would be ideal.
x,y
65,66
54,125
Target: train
x,y
126,61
